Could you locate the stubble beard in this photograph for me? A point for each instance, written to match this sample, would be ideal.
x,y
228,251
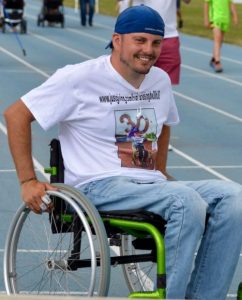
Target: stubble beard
x,y
138,71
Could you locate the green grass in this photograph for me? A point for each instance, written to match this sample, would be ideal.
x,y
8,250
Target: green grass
x,y
193,23
193,19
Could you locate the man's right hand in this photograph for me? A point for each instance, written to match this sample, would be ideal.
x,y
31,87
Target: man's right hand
x,y
32,193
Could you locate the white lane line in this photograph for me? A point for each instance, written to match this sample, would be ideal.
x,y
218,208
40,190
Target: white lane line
x,y
10,170
28,65
206,73
3,128
83,55
208,106
89,35
198,163
189,49
212,166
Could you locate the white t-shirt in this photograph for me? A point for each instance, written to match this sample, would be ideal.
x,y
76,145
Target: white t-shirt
x,y
99,115
167,10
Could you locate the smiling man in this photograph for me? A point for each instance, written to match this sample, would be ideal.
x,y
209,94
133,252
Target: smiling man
x,y
143,36
114,114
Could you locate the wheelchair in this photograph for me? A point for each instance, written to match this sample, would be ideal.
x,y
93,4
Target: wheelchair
x,y
67,251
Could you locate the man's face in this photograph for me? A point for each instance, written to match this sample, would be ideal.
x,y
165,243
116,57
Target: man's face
x,y
138,52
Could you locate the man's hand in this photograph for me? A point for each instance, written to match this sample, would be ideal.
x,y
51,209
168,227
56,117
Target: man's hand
x,y
32,193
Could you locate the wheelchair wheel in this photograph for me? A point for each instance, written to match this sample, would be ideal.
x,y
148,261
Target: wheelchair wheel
x,y
67,262
139,276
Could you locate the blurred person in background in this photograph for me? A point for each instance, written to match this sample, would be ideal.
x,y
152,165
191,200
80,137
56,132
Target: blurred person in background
x,y
87,7
217,16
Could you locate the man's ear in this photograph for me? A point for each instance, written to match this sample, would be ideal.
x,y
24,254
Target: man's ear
x,y
116,40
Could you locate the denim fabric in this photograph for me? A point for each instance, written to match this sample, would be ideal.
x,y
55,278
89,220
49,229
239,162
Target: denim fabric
x,y
83,11
184,206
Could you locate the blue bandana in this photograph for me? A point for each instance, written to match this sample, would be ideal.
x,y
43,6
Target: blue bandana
x,y
139,18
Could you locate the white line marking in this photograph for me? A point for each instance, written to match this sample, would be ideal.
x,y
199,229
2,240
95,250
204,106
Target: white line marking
x,y
28,65
206,73
217,110
60,45
213,167
235,61
198,163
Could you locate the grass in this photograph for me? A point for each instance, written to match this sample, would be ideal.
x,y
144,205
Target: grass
x,y
193,19
193,23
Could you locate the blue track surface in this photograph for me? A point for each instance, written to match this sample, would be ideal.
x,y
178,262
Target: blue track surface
x,y
206,144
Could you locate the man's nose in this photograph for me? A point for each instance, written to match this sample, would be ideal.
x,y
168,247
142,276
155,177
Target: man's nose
x,y
148,48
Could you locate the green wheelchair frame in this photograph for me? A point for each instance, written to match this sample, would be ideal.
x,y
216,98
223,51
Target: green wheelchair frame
x,y
82,237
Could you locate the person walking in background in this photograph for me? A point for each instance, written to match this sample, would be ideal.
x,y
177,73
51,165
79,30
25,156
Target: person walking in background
x,y
217,16
87,7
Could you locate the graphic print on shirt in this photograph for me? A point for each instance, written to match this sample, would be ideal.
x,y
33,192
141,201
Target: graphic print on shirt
x,y
136,138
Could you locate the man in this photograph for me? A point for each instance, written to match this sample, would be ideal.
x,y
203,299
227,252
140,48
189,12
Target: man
x,y
97,105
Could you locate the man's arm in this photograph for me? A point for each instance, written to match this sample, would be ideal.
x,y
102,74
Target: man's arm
x,y
18,119
163,144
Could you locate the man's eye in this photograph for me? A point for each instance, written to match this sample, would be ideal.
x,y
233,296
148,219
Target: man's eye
x,y
157,43
139,40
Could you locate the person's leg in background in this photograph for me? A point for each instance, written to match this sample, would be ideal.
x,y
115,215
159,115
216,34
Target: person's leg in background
x,y
91,11
83,11
218,37
170,58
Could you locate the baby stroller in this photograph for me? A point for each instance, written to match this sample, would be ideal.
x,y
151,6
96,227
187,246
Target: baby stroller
x,y
52,11
13,11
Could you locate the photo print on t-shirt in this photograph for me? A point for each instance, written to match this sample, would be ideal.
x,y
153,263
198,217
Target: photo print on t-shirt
x,y
136,137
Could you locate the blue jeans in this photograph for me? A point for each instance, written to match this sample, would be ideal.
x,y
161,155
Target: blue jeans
x,y
83,11
184,206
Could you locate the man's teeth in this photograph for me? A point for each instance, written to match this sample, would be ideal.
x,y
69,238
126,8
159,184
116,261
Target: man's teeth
x,y
144,58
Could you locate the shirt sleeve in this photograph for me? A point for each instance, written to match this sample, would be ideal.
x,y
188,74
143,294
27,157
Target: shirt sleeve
x,y
52,101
